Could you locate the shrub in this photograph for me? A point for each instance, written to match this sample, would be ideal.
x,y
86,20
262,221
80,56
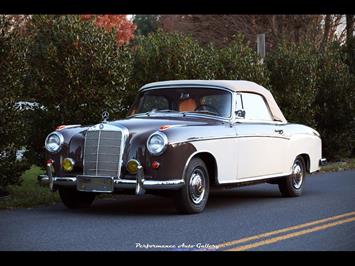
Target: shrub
x,y
11,124
293,77
167,56
76,71
238,61
335,101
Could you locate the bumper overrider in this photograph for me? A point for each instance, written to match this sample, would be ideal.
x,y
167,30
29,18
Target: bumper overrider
x,y
140,184
323,162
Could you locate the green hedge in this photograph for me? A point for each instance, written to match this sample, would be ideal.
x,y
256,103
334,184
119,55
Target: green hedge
x,y
293,76
238,61
75,71
11,122
167,56
335,103
315,87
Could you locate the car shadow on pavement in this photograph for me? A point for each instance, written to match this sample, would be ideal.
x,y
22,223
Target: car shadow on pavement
x,y
153,205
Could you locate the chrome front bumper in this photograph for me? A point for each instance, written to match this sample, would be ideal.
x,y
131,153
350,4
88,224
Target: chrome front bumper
x,y
140,184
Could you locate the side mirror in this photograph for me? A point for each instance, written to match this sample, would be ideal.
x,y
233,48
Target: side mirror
x,y
240,113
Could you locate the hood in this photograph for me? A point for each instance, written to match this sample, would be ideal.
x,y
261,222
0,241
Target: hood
x,y
148,124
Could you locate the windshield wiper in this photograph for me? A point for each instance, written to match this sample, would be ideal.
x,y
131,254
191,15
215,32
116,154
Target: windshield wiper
x,y
166,111
206,111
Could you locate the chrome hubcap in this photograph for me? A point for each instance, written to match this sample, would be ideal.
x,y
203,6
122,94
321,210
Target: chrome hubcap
x,y
297,175
197,186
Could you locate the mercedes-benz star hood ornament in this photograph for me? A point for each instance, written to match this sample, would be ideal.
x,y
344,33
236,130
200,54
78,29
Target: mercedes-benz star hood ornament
x,y
105,116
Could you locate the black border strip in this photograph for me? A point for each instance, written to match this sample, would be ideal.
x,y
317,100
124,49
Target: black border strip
x,y
177,6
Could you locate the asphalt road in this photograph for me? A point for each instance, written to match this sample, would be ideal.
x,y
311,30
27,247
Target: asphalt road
x,y
247,218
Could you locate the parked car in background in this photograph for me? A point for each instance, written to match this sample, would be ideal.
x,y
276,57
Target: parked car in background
x,y
184,137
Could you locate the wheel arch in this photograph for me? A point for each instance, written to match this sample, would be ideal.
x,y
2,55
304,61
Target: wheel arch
x,y
307,160
210,162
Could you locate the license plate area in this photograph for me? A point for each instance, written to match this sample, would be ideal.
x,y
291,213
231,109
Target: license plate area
x,y
94,184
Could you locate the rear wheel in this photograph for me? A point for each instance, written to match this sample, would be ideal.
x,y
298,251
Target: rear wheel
x,y
192,198
74,199
292,185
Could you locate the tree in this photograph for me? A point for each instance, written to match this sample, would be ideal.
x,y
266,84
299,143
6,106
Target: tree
x,y
220,29
350,42
123,28
77,71
11,123
145,24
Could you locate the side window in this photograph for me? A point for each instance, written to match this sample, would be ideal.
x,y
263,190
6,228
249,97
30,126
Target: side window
x,y
255,107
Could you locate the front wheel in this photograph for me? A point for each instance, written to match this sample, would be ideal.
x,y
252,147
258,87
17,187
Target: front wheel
x,y
292,185
74,199
192,198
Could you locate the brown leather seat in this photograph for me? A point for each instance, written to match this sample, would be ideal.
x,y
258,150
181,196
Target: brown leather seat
x,y
188,105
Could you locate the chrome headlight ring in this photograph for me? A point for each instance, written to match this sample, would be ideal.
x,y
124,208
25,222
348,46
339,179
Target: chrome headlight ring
x,y
54,142
157,143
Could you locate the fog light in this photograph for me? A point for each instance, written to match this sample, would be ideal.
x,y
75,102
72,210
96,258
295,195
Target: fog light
x,y
132,166
68,164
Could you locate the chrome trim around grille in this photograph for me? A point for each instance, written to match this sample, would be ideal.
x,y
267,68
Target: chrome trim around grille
x,y
97,170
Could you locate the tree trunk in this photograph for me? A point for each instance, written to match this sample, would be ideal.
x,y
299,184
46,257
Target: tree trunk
x,y
327,21
350,42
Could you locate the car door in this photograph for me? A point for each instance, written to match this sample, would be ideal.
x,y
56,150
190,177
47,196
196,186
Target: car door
x,y
261,142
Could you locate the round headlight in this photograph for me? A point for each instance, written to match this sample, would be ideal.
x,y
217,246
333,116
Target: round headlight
x,y
54,141
156,143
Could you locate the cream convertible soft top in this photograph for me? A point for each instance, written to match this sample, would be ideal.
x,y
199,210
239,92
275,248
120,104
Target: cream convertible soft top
x,y
234,85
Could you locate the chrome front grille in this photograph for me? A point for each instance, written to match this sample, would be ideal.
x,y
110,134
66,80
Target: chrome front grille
x,y
103,152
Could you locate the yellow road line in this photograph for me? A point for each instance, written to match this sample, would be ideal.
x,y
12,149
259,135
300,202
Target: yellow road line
x,y
291,235
287,229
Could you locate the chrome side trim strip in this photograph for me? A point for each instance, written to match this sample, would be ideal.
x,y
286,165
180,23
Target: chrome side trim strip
x,y
242,180
226,137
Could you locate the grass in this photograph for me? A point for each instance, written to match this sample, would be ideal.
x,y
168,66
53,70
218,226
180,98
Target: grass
x,y
345,164
29,193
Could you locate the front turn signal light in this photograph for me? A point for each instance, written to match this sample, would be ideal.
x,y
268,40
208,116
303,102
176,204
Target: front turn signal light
x,y
68,164
132,166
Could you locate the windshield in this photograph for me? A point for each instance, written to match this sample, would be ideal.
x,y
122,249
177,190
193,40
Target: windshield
x,y
216,102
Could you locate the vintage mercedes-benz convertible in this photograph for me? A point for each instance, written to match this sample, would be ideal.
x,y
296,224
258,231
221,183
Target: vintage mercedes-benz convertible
x,y
180,139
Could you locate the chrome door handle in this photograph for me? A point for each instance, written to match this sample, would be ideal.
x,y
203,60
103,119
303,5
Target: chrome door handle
x,y
280,131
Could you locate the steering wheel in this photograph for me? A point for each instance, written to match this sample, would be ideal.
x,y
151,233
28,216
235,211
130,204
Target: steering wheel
x,y
212,109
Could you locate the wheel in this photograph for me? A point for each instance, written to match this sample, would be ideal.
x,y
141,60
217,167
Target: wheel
x,y
192,198
74,199
292,186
